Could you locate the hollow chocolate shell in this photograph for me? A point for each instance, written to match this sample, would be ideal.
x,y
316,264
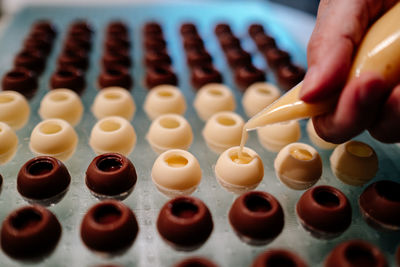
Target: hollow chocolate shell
x,y
20,80
203,75
154,58
78,41
276,57
256,217
30,232
195,261
193,42
113,58
117,28
264,42
229,41
247,75
81,27
76,58
198,57
289,75
255,29
38,41
43,179
117,42
152,28
45,26
115,76
14,109
380,205
111,175
238,57
155,43
8,143
278,257
356,253
188,28
31,60
68,77
222,28
324,211
160,75
185,223
109,226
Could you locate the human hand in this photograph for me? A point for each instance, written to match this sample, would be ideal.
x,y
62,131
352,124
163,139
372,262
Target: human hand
x,y
365,102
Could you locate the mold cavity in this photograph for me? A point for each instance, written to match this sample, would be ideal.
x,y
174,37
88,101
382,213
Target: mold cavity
x,y
257,203
26,219
16,74
165,93
184,209
58,97
264,91
280,260
215,92
110,126
226,121
326,198
301,153
112,96
359,255
243,159
169,123
107,214
389,190
114,72
65,73
50,128
359,149
40,167
6,99
109,164
176,161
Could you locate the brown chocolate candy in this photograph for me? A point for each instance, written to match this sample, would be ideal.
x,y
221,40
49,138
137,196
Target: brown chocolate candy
x,y
324,211
185,223
43,178
278,257
76,58
30,59
256,217
202,75
193,42
276,57
188,29
247,75
81,27
38,42
195,262
264,42
45,26
117,43
221,29
255,29
21,80
380,205
289,75
155,43
117,28
114,58
238,57
115,76
152,29
111,175
109,226
78,41
154,58
160,75
229,41
68,77
356,253
198,57
30,232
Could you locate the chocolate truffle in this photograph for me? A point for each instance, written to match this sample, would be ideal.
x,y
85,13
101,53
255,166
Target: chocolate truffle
x,y
160,75
229,41
276,57
255,29
109,226
238,57
278,257
115,76
289,75
68,77
152,28
8,143
203,75
155,43
193,42
356,253
195,262
111,175
256,217
185,223
76,58
380,205
222,28
154,58
20,80
30,232
43,179
247,75
188,29
198,57
264,42
324,211
31,60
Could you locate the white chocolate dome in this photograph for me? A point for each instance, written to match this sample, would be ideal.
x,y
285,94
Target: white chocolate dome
x,y
8,143
54,137
176,172
354,162
274,137
14,109
213,98
169,131
239,175
61,104
315,139
298,166
164,99
114,101
113,134
258,96
223,130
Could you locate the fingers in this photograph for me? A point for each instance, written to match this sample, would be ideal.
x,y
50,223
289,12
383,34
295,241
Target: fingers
x,y
359,105
387,128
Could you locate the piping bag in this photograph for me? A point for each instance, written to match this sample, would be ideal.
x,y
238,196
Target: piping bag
x,y
378,52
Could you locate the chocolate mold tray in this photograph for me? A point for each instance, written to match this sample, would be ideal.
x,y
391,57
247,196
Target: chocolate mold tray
x,y
223,246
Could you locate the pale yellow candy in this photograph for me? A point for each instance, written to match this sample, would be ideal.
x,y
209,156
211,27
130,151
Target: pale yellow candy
x,y
164,99
14,109
258,96
315,139
114,101
274,137
8,143
54,137
62,104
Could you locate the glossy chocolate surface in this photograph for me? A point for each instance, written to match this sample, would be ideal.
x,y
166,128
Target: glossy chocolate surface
x,y
229,41
30,232
152,29
278,257
264,42
255,29
30,59
276,57
113,58
247,75
76,58
195,262
324,211
21,80
109,226
289,75
115,28
38,41
256,217
155,43
205,74
154,58
185,223
115,76
193,42
45,26
120,42
198,57
238,57
222,28
188,29
111,174
68,77
160,75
